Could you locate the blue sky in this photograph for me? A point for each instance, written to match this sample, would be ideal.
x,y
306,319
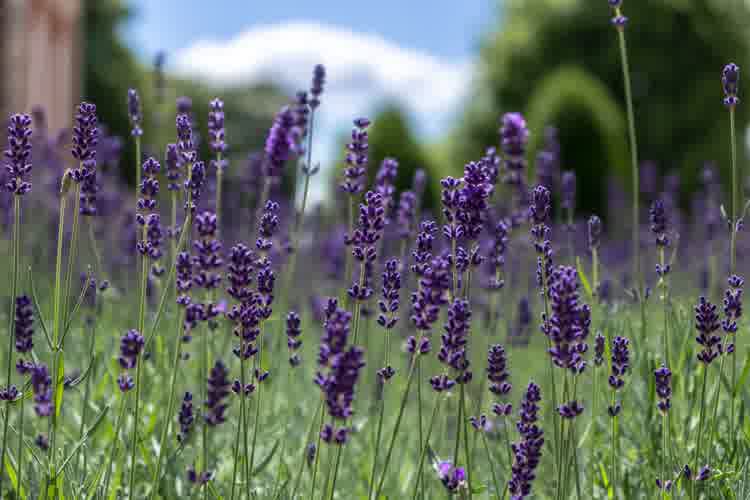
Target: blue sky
x,y
410,51
439,27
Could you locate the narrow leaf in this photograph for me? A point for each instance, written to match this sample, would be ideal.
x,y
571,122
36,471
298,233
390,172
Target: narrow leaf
x,y
584,279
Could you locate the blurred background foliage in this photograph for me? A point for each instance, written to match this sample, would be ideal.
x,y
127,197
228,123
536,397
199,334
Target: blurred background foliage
x,y
555,60
558,61
111,69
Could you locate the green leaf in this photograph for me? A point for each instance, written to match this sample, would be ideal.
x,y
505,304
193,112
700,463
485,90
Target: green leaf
x,y
83,439
39,313
605,481
743,376
59,385
11,470
584,279
267,460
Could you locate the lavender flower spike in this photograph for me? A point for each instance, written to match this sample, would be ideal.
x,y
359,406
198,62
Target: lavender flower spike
x,y
134,113
730,80
18,155
527,453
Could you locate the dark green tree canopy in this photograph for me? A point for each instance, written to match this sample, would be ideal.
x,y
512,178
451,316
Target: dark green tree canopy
x,y
676,48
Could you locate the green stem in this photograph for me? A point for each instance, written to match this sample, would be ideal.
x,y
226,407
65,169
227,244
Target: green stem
x,y
308,438
633,156
491,463
57,321
348,254
697,455
170,408
87,392
20,444
115,441
419,416
735,196
72,253
465,422
11,320
317,456
664,433
396,427
138,369
258,404
423,450
335,470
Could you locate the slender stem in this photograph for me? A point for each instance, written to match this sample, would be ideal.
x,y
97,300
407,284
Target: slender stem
x,y
423,450
396,427
57,321
240,431
697,455
466,440
204,388
258,405
72,253
170,408
20,444
735,196
299,216
317,457
419,414
115,440
491,463
335,470
87,391
378,435
308,438
733,249
11,320
245,409
138,369
633,156
664,432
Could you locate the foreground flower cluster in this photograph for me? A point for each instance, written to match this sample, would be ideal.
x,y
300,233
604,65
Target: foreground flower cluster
x,y
491,347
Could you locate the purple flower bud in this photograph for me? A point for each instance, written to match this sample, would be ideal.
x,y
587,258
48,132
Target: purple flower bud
x,y
730,80
134,113
18,155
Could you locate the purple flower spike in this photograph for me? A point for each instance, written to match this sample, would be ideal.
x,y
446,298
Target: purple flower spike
x,y
453,348
527,453
707,323
730,80
357,158
218,390
732,309
131,345
453,478
41,384
293,333
185,417
389,304
24,324
318,82
279,143
134,113
85,133
569,322
18,155
663,378
216,131
514,136
594,232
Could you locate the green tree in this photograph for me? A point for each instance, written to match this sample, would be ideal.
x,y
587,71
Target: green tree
x,y
391,135
677,49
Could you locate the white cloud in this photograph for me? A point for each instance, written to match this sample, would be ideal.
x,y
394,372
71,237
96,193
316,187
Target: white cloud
x,y
363,70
